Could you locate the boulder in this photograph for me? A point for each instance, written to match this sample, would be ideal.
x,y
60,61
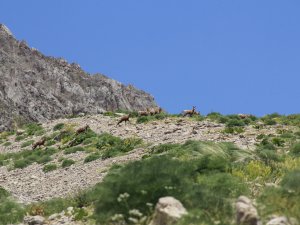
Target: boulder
x,y
34,220
167,211
246,213
282,220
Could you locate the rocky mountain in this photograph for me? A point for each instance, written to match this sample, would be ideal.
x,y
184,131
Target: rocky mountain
x,y
35,87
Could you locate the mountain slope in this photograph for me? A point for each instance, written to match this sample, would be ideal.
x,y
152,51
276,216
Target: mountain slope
x,y
37,88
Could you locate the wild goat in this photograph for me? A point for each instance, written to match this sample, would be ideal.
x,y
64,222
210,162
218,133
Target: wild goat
x,y
151,111
190,112
82,129
124,119
143,113
158,110
39,143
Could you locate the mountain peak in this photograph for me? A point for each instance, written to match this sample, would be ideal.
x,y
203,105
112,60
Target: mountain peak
x,y
4,29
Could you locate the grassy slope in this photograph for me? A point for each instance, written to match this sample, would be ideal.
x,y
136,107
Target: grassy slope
x,y
206,177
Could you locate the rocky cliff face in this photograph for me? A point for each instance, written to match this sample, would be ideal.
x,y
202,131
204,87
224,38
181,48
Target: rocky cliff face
x,y
37,88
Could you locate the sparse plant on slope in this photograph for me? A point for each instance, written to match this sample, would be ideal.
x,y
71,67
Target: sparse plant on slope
x,y
10,211
67,163
49,167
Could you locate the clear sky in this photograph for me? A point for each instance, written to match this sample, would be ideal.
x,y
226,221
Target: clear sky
x,y
230,56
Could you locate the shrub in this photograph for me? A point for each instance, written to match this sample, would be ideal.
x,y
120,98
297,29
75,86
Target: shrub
x,y
233,130
27,143
10,212
285,199
218,117
3,193
50,143
78,139
92,157
34,129
254,170
235,123
161,176
6,144
278,141
52,206
67,163
49,167
295,150
143,119
73,150
192,150
21,163
20,137
25,158
58,126
270,122
80,214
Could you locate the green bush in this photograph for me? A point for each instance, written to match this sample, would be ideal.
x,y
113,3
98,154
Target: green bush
x,y
283,200
50,143
67,163
20,137
143,119
78,139
73,150
278,141
10,211
25,158
92,157
192,150
34,129
58,126
27,143
52,206
6,144
3,193
161,176
49,167
233,130
235,123
295,150
21,163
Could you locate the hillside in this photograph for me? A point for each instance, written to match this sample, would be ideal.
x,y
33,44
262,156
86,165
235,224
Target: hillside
x,y
35,87
205,162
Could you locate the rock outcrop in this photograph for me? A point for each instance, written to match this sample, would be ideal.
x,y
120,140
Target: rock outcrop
x,y
167,211
246,212
35,87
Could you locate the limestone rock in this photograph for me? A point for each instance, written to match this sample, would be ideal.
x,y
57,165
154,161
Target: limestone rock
x,y
167,211
282,220
246,213
34,220
35,87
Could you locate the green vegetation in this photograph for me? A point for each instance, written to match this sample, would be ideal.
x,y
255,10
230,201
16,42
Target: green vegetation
x,y
6,144
73,149
67,162
27,143
92,157
27,157
145,119
58,126
34,129
49,167
10,211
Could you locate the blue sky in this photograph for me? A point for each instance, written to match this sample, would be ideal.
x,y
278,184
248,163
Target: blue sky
x,y
229,56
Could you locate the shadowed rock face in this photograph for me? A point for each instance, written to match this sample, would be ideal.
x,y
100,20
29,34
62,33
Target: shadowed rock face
x,y
39,88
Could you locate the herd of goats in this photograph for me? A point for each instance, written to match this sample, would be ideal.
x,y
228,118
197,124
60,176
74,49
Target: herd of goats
x,y
158,110
125,118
